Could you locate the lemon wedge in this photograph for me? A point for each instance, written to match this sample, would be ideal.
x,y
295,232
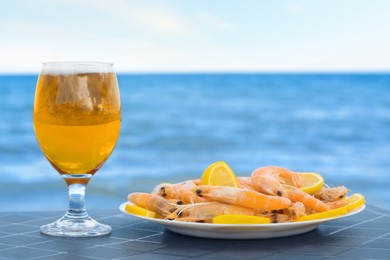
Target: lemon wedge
x,y
133,209
219,174
239,219
311,182
355,201
326,214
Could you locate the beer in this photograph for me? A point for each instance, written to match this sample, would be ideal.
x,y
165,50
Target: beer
x,y
77,120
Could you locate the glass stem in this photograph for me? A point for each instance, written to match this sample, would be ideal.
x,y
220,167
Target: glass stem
x,y
76,201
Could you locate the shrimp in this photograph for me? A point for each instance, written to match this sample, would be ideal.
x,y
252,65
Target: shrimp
x,y
246,183
242,197
308,200
204,212
278,218
181,191
152,202
331,194
336,204
269,180
296,210
196,181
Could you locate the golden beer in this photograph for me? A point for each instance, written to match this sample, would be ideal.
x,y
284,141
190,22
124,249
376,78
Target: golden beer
x,y
77,138
77,119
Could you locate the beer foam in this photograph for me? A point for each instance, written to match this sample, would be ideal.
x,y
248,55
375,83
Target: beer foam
x,y
75,67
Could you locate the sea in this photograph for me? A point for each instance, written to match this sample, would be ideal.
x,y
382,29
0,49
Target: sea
x,y
175,125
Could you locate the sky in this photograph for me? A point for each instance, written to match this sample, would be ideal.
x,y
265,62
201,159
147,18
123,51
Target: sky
x,y
197,35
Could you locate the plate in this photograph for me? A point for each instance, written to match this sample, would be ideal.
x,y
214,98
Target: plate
x,y
244,231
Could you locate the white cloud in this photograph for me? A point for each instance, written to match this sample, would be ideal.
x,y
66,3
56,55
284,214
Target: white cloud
x,y
211,21
178,36
144,15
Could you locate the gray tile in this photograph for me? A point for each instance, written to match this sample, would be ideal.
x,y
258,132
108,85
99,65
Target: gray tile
x,y
41,221
337,240
18,228
133,238
369,253
342,223
103,240
148,226
138,245
265,244
384,219
151,256
361,232
131,233
383,225
60,245
119,220
20,240
313,249
238,253
325,230
24,253
182,251
383,243
65,256
103,252
189,246
279,256
17,218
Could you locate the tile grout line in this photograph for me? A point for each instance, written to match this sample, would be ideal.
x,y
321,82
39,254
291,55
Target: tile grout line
x,y
375,238
353,225
356,224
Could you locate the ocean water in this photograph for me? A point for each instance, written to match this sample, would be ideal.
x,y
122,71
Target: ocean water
x,y
175,125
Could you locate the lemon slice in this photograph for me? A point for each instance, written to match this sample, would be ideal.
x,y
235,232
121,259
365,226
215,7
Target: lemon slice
x,y
219,174
326,214
311,182
133,209
355,201
239,219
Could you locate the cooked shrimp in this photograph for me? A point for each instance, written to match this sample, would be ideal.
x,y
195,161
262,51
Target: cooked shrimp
x,y
336,204
246,183
242,197
308,200
196,181
278,218
296,210
270,180
152,202
204,212
181,191
331,194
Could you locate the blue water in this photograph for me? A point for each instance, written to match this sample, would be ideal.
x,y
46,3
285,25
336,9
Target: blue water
x,y
175,125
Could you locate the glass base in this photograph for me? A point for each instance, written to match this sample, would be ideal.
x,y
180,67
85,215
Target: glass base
x,y
76,227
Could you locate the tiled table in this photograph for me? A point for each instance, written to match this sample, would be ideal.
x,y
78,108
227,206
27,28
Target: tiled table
x,y
362,236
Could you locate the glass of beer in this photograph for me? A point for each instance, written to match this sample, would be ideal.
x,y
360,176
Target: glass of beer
x,y
77,119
